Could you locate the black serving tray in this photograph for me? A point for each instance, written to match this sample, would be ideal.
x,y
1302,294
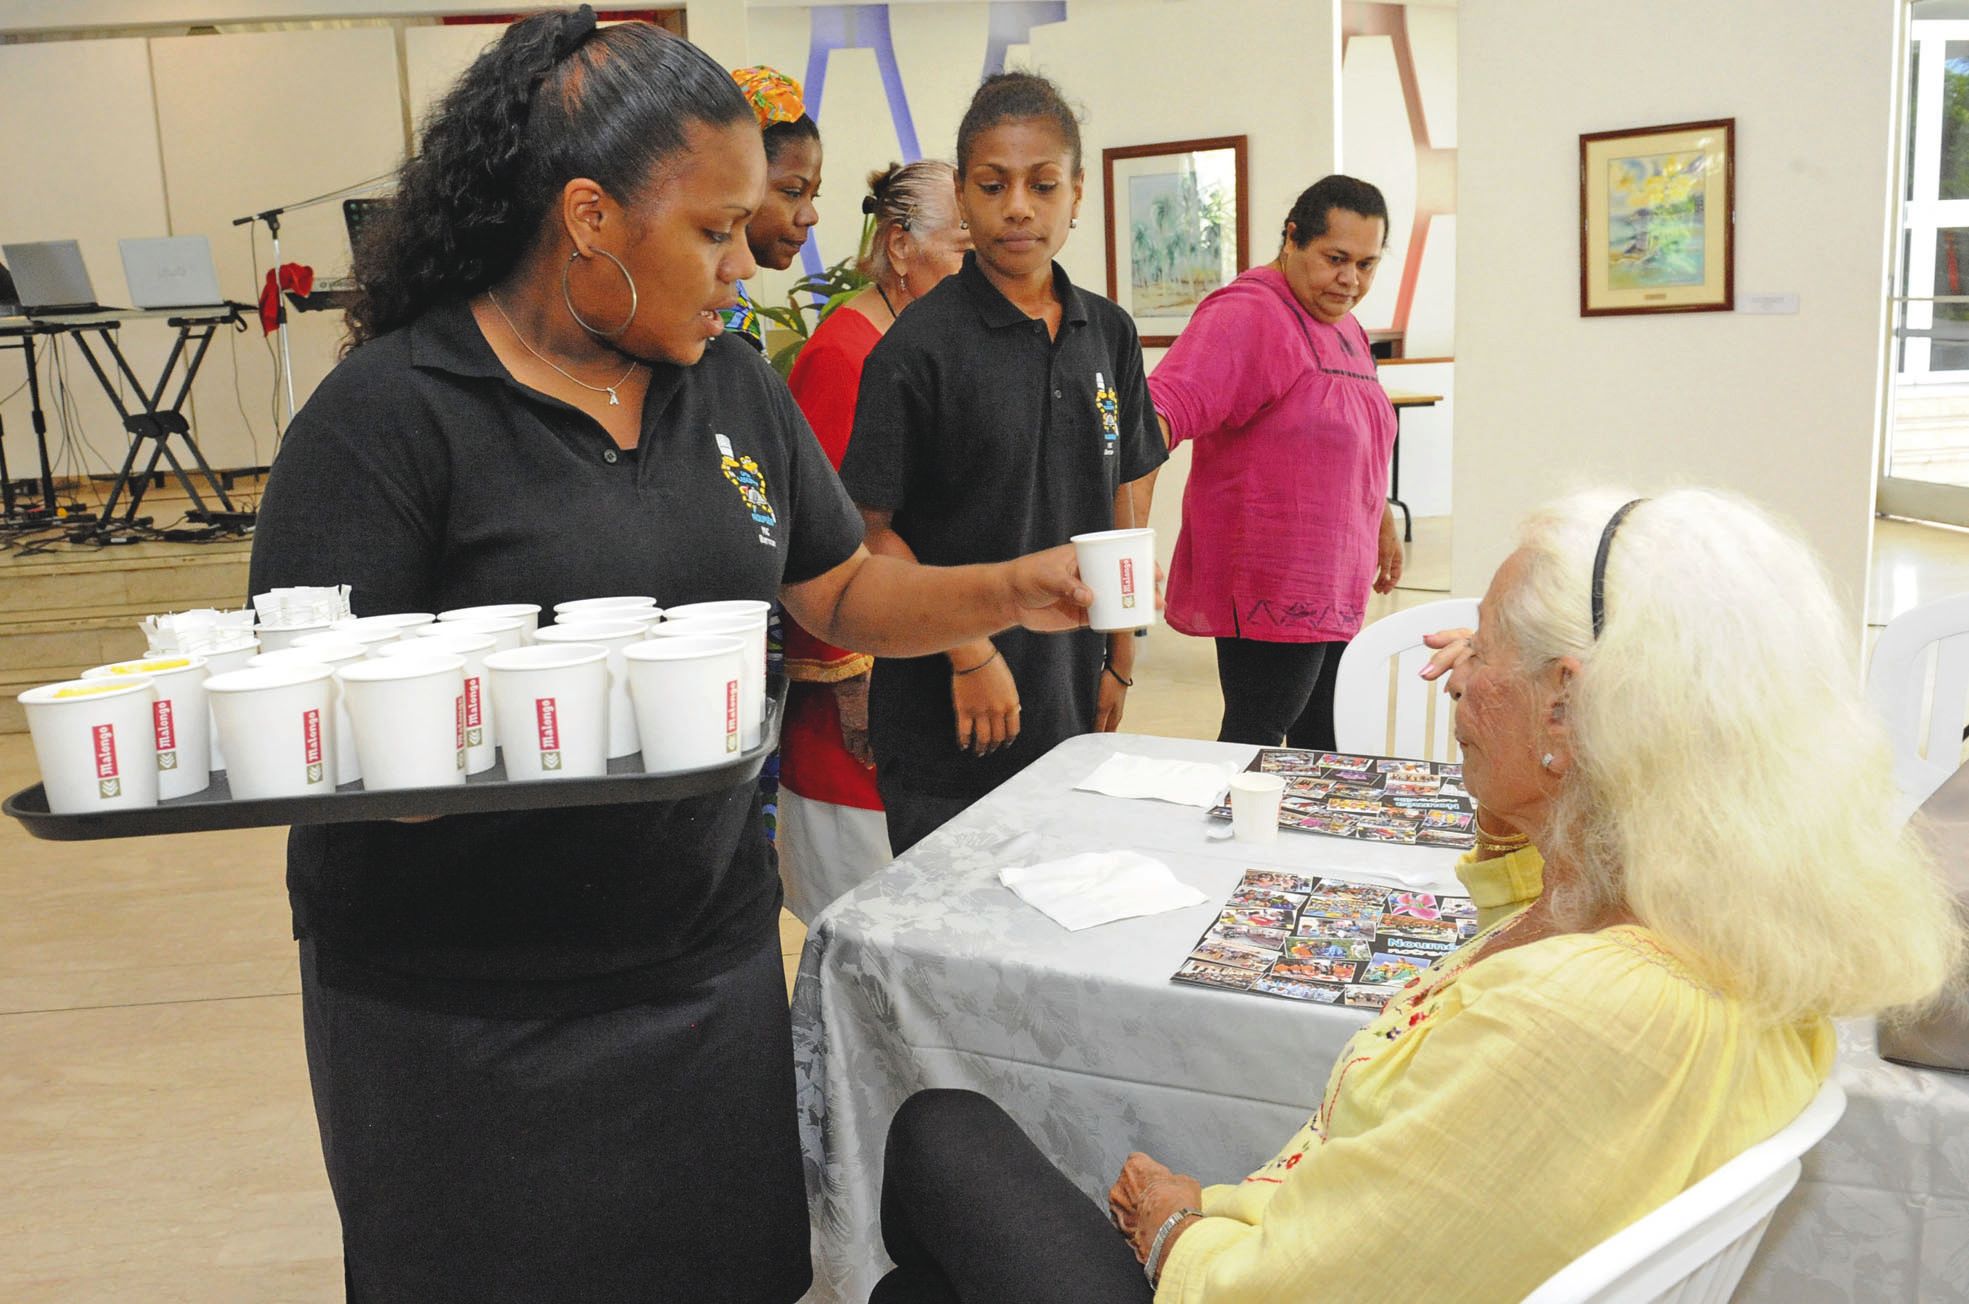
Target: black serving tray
x,y
215,808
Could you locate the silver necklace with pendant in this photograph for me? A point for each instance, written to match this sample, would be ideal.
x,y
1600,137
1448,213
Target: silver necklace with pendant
x,y
609,390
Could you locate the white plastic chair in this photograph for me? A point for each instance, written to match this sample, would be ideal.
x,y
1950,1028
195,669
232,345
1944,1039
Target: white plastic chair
x,y
1379,706
1694,1249
1924,709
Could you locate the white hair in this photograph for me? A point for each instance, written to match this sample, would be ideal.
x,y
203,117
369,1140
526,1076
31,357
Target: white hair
x,y
1728,783
919,198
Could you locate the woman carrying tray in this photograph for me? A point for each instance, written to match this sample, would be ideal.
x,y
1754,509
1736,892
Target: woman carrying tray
x,y
550,1051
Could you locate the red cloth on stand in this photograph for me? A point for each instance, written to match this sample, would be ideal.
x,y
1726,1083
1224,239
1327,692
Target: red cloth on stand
x,y
814,762
298,277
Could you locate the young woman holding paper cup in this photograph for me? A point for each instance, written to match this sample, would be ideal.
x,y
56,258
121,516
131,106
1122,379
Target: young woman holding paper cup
x,y
550,1049
1005,411
1286,523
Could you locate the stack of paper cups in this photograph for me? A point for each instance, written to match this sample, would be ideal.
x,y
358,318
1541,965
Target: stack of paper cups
x,y
481,739
409,718
551,705
219,658
742,619
528,613
607,608
278,722
615,636
93,741
687,690
334,656
181,718
506,633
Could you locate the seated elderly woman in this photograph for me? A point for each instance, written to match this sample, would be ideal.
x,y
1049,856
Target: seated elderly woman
x,y
1663,699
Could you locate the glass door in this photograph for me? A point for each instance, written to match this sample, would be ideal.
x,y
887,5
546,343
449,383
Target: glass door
x,y
1926,453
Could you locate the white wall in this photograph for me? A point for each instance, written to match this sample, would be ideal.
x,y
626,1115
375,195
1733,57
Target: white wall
x,y
1784,408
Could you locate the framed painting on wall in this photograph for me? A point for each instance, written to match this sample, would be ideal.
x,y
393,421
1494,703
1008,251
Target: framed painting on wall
x,y
1177,228
1657,219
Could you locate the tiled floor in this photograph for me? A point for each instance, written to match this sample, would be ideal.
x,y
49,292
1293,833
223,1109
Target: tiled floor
x,y
156,1136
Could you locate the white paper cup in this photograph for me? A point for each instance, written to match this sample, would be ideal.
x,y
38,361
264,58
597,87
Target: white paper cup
x,y
526,612
93,739
278,722
1254,806
563,610
220,658
402,620
751,628
365,633
1119,566
688,690
642,616
334,656
481,741
723,607
507,633
409,718
551,706
183,723
276,638
615,636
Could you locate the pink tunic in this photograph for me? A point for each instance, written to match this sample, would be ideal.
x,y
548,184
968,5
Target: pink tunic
x,y
1282,516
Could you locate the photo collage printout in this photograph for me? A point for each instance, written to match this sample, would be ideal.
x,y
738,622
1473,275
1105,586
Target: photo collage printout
x,y
1331,941
1370,798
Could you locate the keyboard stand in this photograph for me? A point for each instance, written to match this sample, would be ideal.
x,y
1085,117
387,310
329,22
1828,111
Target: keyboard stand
x,y
156,425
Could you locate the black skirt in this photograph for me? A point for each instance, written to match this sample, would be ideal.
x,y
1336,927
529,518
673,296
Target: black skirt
x,y
646,1153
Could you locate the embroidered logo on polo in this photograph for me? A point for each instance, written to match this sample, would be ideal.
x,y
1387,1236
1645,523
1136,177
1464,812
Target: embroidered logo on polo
x,y
750,481
547,718
109,778
1108,405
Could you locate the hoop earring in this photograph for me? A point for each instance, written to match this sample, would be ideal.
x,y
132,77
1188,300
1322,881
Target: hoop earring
x,y
568,298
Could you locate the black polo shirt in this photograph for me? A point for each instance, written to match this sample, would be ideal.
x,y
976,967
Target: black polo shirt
x,y
988,438
424,475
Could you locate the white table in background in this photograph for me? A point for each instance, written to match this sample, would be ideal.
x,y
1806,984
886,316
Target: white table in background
x,y
933,975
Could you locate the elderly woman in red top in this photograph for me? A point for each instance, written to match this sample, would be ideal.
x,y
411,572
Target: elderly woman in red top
x,y
832,833
1286,524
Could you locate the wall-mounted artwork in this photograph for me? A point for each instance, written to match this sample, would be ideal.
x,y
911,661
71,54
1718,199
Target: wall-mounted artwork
x,y
1176,228
1657,219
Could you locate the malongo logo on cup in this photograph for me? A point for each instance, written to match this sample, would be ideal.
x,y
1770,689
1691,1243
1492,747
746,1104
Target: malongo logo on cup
x,y
311,743
547,716
474,713
731,715
109,781
458,709
167,734
1127,581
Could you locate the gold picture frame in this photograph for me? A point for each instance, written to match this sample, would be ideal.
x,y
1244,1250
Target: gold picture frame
x,y
1657,219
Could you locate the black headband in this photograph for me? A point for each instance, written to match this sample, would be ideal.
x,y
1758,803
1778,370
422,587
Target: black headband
x,y
1600,565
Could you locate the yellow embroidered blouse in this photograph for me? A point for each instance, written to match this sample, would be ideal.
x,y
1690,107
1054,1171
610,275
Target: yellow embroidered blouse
x,y
1498,1119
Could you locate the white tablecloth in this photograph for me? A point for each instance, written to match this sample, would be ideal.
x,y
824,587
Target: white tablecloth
x,y
934,975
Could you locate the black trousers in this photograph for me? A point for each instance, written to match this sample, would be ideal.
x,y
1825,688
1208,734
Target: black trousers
x,y
972,1213
643,1154
1275,691
912,814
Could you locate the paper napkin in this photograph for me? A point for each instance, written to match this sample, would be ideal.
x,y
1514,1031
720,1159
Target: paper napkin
x,y
1099,887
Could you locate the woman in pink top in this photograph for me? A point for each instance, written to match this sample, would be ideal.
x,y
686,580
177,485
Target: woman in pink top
x,y
1286,524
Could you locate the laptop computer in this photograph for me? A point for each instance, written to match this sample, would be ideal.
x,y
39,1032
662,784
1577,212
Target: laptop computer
x,y
50,277
171,272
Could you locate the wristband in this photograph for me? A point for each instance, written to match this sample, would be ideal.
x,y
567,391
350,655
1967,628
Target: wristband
x,y
1109,669
972,670
1152,1266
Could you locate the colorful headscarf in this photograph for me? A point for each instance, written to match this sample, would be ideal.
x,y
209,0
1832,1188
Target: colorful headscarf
x,y
773,95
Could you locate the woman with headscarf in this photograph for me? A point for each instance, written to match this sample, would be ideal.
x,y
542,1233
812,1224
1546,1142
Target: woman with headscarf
x,y
831,829
779,227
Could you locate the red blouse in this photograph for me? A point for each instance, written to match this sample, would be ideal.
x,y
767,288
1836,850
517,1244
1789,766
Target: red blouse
x,y
813,762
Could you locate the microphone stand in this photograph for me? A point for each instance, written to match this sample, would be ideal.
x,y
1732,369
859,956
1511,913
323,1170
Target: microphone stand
x,y
272,216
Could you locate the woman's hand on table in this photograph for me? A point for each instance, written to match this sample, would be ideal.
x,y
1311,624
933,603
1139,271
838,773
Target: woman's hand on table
x,y
984,697
1144,1196
1451,647
851,704
1389,561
